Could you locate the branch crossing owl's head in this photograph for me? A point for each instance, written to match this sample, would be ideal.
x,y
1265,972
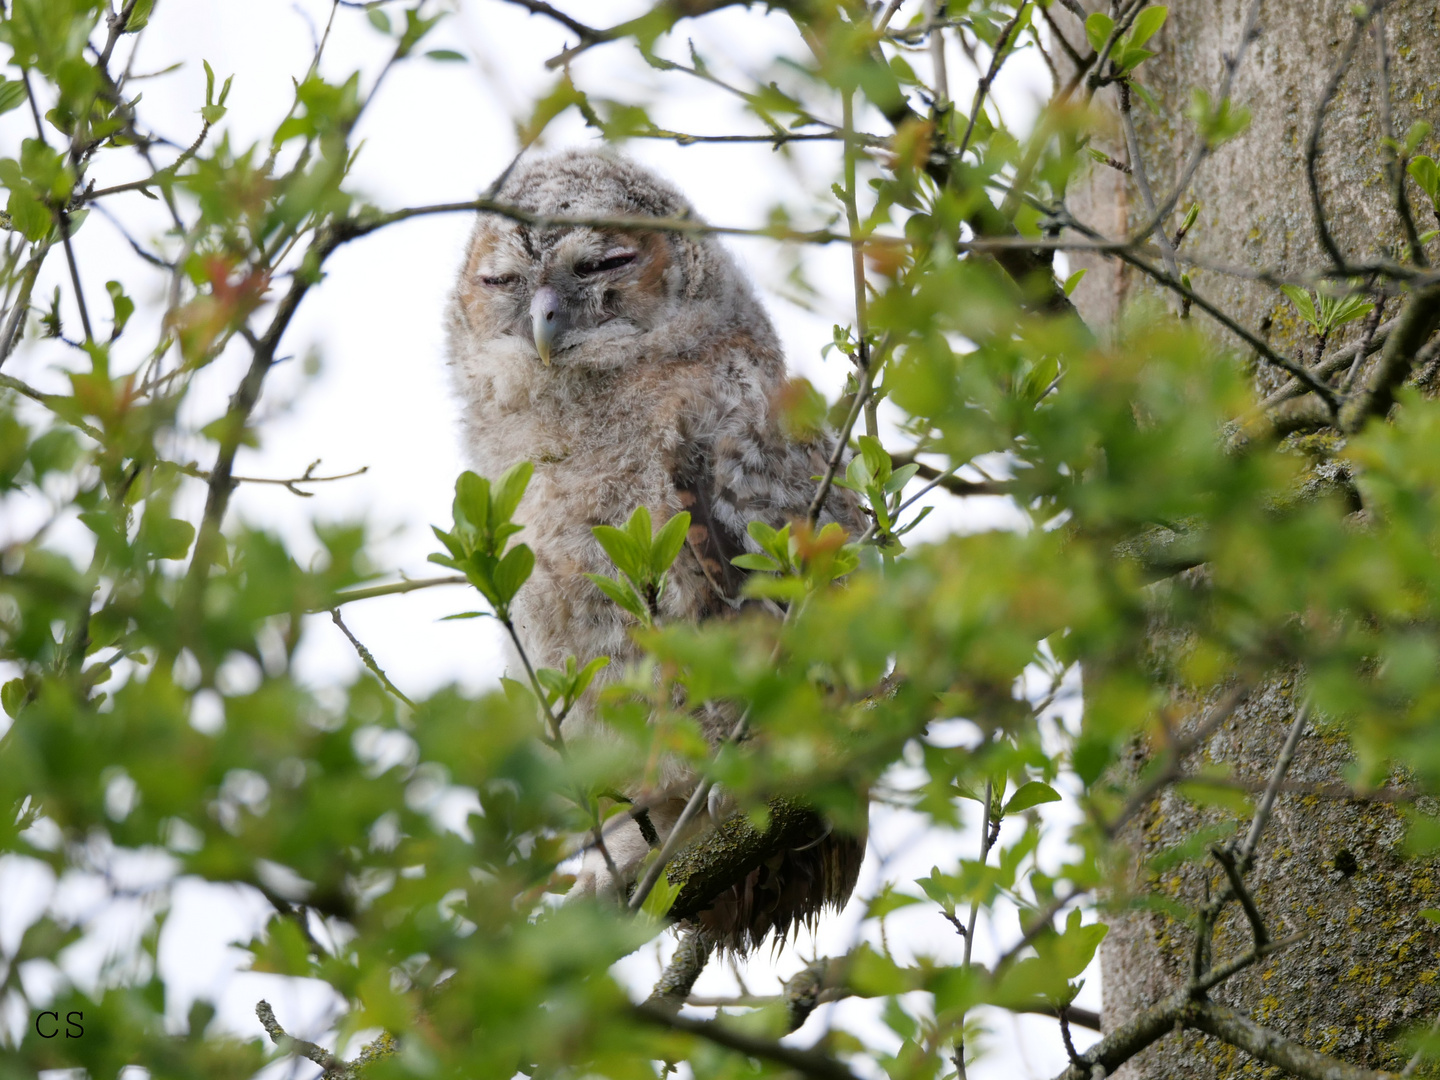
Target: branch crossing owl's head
x,y
575,290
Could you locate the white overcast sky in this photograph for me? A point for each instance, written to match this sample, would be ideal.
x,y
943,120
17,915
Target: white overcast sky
x,y
439,132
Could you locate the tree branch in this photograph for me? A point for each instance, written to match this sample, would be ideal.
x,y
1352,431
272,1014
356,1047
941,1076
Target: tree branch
x,y
809,1063
680,974
314,1052
15,323
714,862
1238,1030
1418,319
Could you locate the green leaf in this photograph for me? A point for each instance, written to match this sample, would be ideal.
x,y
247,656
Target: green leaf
x,y
1146,24
472,500
139,16
937,889
629,558
1426,173
12,94
1303,304
1416,134
587,674
1433,914
12,697
1030,794
513,571
755,561
900,477
877,460
445,55
416,27
761,533
1131,58
167,538
668,542
623,594
1075,278
122,305
379,20
640,529
1348,310
29,214
1098,28
509,490
662,898
213,109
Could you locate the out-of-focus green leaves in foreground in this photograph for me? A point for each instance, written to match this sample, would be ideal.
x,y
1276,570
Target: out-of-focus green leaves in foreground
x,y
1122,455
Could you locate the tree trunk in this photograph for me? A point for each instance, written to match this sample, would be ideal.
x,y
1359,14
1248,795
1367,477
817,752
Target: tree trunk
x,y
1331,868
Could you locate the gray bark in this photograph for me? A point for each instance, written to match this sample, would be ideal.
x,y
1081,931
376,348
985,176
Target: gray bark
x,y
1330,867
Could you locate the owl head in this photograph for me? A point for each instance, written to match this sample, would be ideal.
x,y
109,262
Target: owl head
x,y
576,294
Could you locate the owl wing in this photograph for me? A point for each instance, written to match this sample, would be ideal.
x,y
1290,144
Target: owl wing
x,y
712,537
749,472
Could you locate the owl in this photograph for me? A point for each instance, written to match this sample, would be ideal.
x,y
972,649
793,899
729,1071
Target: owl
x,y
635,368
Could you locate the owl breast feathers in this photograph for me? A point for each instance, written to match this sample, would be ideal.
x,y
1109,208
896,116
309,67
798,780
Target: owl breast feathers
x,y
634,368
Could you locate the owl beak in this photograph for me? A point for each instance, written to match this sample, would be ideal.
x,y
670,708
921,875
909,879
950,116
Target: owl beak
x,y
547,317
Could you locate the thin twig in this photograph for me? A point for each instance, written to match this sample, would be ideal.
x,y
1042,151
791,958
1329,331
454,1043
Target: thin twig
x,y
16,320
368,658
398,588
988,836
1367,334
997,58
935,17
863,356
1142,182
289,485
1312,144
1394,163
842,441
1237,885
56,403
888,14
1417,321
1246,852
1203,149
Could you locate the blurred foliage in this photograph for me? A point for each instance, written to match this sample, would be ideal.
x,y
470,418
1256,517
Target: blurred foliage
x,y
124,735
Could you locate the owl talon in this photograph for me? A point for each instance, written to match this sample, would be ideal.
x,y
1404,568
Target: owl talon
x,y
718,804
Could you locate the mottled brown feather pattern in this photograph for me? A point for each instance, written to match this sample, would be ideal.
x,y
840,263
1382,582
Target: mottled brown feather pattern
x,y
659,392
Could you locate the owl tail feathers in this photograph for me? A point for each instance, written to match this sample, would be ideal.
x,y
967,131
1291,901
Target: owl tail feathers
x,y
770,882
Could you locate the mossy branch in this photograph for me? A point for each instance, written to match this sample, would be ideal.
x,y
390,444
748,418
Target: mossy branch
x,y
714,862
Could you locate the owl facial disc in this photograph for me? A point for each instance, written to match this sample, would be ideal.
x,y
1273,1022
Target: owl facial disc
x,y
548,320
